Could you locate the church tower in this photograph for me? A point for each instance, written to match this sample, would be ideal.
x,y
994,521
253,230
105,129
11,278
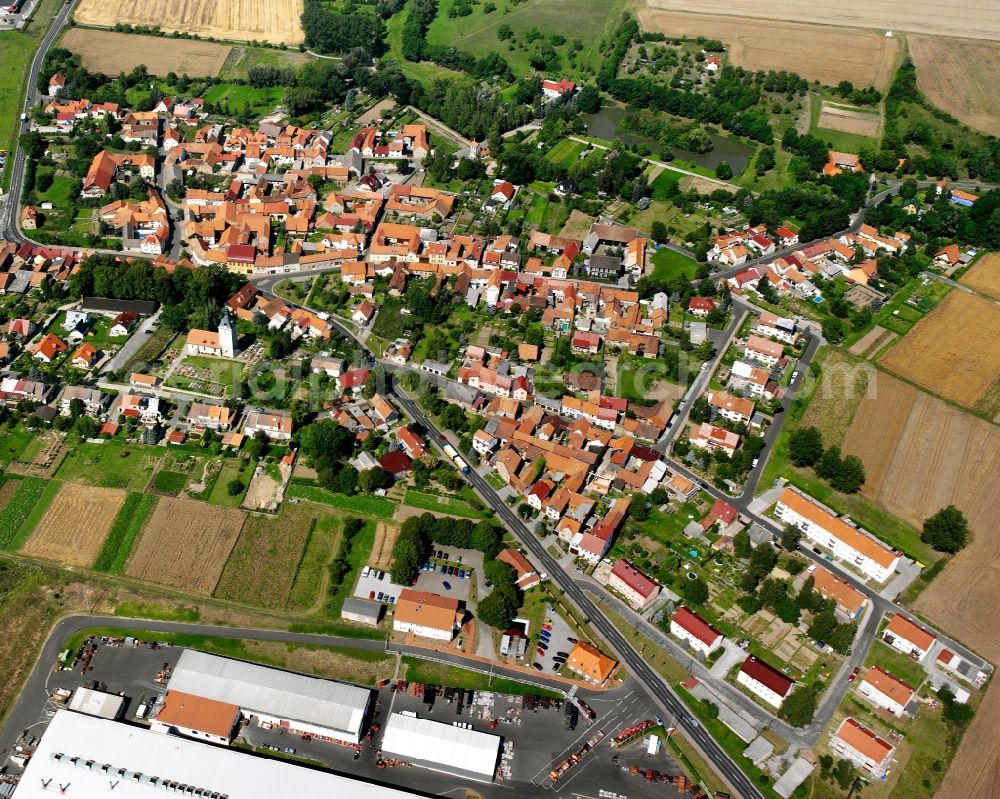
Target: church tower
x,y
227,336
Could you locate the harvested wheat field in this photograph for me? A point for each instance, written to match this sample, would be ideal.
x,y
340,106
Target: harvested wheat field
x,y
75,524
954,351
262,566
960,77
385,540
185,545
975,19
828,55
111,53
921,454
985,275
243,20
847,119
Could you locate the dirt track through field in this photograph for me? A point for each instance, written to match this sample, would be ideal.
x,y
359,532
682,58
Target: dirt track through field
x,y
920,455
244,20
185,545
954,351
845,120
974,19
385,540
75,524
826,54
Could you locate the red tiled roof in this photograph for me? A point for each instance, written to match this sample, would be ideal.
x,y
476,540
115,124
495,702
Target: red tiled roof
x,y
767,676
696,625
635,579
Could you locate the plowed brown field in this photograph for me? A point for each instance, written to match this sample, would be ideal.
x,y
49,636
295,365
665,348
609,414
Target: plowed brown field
x,y
244,20
954,351
75,524
110,52
185,545
921,454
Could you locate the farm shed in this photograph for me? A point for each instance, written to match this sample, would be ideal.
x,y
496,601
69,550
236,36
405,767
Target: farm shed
x,y
363,611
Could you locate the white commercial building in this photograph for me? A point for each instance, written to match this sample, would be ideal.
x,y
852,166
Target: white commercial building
x,y
442,747
870,557
325,709
82,757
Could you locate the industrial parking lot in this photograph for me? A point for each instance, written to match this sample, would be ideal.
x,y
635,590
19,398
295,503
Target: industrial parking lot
x,y
436,578
538,738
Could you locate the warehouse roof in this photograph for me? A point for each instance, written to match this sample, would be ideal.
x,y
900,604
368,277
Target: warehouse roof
x,y
96,703
325,703
442,747
135,757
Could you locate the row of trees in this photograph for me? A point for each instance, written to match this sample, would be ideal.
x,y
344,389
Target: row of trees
x,y
332,30
844,473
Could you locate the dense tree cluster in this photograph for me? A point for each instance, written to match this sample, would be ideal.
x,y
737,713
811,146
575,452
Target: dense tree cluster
x,y
799,706
191,297
332,30
327,446
947,530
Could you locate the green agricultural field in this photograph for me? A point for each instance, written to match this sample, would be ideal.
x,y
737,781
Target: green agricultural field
x,y
234,98
586,20
124,533
366,505
23,510
668,264
170,482
110,465
567,152
661,185
432,502
241,59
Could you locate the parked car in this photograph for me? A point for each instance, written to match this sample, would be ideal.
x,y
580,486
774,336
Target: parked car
x,y
451,570
543,645
562,655
540,652
556,666
444,570
447,585
392,600
440,554
547,627
381,596
537,666
371,594
572,640
461,574
853,676
366,571
288,750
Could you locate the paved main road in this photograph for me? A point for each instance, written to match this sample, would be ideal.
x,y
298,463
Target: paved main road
x,y
9,220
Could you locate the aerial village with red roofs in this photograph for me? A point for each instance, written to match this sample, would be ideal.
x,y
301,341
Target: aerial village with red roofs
x,y
528,406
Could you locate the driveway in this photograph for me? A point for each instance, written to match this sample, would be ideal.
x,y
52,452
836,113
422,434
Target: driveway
x,y
135,341
731,655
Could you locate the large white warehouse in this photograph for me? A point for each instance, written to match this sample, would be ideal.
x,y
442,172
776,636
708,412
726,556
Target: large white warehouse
x,y
83,757
442,747
325,709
